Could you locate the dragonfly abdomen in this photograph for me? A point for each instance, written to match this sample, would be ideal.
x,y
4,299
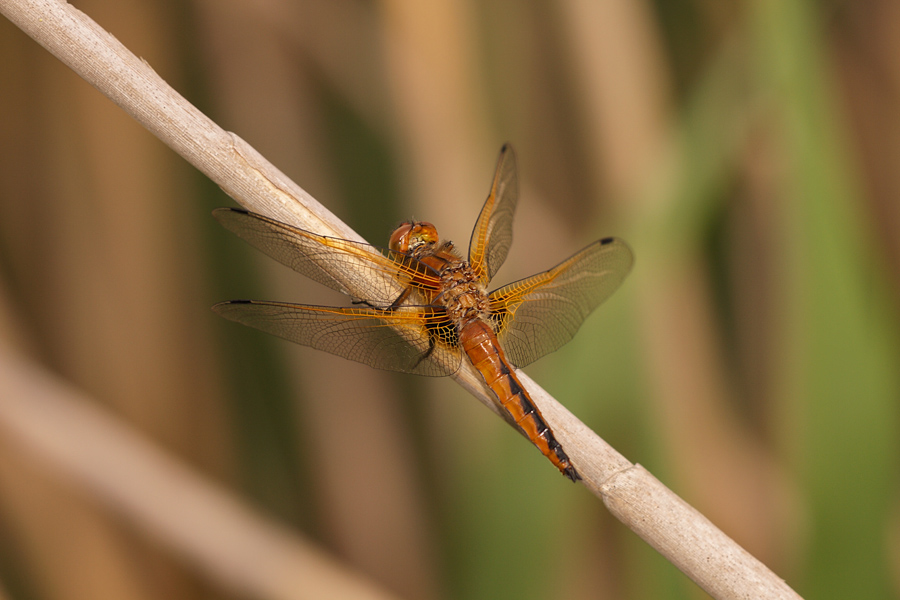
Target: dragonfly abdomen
x,y
481,346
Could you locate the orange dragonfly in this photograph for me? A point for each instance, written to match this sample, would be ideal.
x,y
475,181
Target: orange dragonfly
x,y
425,307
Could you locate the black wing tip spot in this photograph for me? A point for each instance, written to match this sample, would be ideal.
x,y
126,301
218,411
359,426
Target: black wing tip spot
x,y
224,209
505,147
221,305
607,240
219,213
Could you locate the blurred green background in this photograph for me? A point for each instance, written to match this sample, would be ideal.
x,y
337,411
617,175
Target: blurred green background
x,y
747,151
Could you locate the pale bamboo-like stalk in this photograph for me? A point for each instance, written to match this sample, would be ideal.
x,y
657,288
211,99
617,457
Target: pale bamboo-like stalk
x,y
205,524
633,495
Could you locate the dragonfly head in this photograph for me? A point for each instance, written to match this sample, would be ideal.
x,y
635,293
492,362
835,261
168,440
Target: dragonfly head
x,y
410,236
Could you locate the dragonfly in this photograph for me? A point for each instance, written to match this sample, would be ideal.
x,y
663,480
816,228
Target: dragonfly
x,y
420,308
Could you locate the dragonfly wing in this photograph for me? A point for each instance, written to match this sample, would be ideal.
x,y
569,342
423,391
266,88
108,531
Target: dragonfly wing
x,y
537,315
406,339
359,270
492,235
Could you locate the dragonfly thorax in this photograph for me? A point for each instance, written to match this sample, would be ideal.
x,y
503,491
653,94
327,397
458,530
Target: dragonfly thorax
x,y
460,291
462,294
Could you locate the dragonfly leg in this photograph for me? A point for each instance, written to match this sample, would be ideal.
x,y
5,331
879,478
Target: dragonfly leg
x,y
393,305
432,344
401,298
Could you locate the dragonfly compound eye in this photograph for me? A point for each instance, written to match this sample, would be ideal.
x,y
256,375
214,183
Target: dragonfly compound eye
x,y
409,236
400,238
423,233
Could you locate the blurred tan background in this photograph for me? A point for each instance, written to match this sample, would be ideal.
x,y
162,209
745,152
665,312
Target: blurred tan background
x,y
747,151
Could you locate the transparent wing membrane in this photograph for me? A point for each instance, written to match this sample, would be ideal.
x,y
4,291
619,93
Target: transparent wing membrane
x,y
492,235
356,269
537,315
407,339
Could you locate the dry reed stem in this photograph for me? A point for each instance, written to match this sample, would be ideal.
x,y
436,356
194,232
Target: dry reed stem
x,y
680,533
